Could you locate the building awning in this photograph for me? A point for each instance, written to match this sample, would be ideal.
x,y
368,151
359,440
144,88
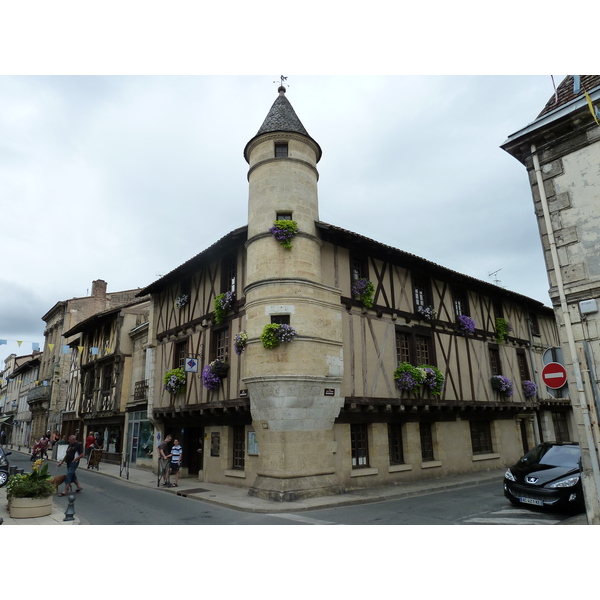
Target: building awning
x,y
4,419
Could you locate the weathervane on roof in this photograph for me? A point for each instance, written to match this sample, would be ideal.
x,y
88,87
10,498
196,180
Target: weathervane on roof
x,y
282,78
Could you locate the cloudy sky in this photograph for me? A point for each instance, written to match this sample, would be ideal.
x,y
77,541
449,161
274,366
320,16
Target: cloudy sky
x,y
123,178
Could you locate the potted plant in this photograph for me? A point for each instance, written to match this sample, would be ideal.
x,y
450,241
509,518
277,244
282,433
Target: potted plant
x,y
466,325
363,289
407,377
239,342
433,379
181,300
502,329
502,384
175,380
529,389
213,373
30,495
222,304
274,334
283,231
427,312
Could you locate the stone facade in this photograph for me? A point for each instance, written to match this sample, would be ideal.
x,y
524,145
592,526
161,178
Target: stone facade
x,y
561,151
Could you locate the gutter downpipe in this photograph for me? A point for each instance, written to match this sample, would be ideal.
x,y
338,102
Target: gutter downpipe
x,y
593,519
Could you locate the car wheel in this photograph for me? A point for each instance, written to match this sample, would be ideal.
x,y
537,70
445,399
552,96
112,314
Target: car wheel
x,y
3,478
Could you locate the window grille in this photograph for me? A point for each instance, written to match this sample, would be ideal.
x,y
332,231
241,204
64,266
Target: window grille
x,y
239,447
395,444
426,441
359,444
481,437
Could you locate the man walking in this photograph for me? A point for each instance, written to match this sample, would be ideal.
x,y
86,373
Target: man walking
x,y
72,457
176,451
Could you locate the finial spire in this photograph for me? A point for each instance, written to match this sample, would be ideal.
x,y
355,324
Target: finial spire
x,y
281,88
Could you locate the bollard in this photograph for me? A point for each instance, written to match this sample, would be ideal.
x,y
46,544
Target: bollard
x,y
70,512
20,470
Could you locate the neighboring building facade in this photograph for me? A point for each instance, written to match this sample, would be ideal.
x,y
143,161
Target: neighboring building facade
x,y
323,414
100,385
59,361
561,151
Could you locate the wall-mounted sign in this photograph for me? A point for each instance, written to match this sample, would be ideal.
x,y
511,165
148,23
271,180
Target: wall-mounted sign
x,y
252,443
191,365
243,393
329,392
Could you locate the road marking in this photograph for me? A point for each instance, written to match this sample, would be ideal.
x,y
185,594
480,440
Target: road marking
x,y
301,519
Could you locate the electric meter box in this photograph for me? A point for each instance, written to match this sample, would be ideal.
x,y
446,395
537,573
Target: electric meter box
x,y
588,306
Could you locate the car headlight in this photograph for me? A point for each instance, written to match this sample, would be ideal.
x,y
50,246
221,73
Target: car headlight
x,y
568,482
509,475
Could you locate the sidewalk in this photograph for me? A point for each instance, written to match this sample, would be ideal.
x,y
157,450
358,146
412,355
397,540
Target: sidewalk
x,y
237,498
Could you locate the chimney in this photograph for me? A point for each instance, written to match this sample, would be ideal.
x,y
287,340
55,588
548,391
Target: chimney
x,y
99,289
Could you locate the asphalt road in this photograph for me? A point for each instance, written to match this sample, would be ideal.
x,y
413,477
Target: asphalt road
x,y
110,501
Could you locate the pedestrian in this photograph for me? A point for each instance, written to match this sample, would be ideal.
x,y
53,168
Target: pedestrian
x,y
72,457
2,437
90,441
44,441
176,451
164,454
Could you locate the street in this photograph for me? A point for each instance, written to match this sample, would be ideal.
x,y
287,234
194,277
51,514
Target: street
x,y
107,500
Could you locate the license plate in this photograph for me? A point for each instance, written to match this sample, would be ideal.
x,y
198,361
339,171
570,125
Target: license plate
x,y
532,501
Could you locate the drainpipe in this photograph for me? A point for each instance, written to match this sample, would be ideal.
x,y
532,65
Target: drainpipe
x,y
536,432
583,403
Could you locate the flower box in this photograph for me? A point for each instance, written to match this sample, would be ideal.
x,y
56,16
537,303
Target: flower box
x,y
29,508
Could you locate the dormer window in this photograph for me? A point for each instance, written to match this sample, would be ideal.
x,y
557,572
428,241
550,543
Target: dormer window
x,y
281,150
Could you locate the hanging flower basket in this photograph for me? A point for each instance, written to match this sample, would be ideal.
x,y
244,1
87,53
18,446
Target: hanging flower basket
x,y
213,373
239,342
427,312
426,377
502,329
363,289
283,231
466,325
181,300
274,334
433,379
502,384
222,304
529,389
175,380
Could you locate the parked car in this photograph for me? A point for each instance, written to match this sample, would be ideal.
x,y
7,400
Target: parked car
x,y
547,476
3,467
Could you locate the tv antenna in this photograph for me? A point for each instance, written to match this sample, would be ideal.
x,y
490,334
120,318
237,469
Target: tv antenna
x,y
493,274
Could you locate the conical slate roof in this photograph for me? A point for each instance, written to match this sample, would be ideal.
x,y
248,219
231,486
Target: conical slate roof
x,y
282,117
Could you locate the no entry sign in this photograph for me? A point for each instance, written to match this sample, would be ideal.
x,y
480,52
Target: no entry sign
x,y
554,375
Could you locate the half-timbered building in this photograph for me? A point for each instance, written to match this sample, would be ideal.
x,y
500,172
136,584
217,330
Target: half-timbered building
x,y
332,409
100,384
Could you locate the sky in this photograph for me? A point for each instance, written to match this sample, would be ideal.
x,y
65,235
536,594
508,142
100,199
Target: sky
x,y
124,178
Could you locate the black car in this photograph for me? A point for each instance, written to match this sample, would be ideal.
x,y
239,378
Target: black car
x,y
547,476
3,467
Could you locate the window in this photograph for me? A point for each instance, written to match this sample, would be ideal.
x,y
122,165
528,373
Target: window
x,y
481,437
495,366
522,362
426,441
239,447
422,294
414,348
284,216
498,311
535,325
281,149
220,340
107,373
280,319
228,274
561,430
395,443
460,301
359,445
179,354
358,268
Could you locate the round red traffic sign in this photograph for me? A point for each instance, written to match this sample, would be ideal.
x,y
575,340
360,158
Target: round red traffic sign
x,y
554,375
